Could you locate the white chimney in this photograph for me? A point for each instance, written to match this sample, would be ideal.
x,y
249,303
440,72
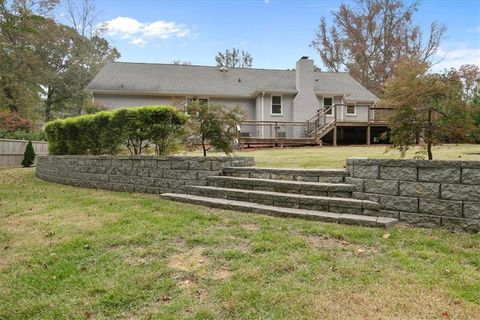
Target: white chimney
x,y
304,74
305,103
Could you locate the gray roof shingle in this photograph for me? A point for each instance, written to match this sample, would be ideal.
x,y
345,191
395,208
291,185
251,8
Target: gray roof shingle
x,y
210,81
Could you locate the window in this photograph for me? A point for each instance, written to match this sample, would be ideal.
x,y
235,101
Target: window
x,y
200,100
277,105
350,110
327,103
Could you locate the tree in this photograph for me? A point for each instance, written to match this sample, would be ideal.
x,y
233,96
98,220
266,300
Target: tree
x,y
234,59
11,122
28,155
213,126
426,106
82,16
369,38
18,90
469,74
45,64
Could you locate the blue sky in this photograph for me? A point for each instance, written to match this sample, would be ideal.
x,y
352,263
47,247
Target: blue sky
x,y
275,32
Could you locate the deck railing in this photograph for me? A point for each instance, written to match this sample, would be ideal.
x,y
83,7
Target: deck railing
x,y
313,128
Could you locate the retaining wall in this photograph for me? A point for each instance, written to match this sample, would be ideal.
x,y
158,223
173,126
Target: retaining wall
x,y
419,192
149,174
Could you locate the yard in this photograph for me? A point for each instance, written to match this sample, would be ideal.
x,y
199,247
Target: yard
x,y
77,253
334,157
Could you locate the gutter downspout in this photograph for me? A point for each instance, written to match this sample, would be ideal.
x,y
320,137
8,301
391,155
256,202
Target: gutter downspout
x,y
261,118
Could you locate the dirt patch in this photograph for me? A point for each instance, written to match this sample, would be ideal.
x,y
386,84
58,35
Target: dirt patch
x,y
251,227
190,261
326,242
222,273
332,244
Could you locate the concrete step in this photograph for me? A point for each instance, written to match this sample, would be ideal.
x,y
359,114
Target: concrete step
x,y
289,200
288,186
311,175
352,219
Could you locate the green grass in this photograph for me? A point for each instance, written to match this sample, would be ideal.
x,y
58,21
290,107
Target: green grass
x,y
67,252
334,157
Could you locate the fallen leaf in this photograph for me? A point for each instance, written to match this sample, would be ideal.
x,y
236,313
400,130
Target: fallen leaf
x,y
361,250
386,236
445,315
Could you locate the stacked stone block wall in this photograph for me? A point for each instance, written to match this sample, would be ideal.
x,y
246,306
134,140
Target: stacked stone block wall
x,y
419,192
148,174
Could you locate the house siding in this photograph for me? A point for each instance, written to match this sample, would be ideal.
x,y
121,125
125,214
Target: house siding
x,y
115,101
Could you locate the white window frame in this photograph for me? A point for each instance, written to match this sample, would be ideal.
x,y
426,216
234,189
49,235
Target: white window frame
x,y
281,105
354,110
323,104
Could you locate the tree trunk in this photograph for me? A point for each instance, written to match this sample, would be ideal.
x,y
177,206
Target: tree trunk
x,y
48,104
429,136
204,147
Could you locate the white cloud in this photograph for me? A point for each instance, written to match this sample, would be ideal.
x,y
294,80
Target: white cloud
x,y
139,42
123,26
453,56
164,30
142,32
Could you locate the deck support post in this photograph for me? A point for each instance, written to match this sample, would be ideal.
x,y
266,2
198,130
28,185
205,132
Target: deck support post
x,y
276,134
368,125
335,136
368,135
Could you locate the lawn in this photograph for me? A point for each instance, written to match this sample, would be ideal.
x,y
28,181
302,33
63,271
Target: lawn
x,y
77,253
334,157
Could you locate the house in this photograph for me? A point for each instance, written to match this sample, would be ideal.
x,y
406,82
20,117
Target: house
x,y
282,107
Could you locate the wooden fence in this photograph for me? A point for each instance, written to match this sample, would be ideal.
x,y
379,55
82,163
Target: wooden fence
x,y
11,151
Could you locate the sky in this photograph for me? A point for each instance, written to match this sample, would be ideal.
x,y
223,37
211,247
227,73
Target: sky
x,y
275,32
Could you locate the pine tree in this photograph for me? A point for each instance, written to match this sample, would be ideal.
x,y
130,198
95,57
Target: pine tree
x,y
28,155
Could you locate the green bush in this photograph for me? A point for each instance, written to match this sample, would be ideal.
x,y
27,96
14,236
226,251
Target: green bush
x,y
105,132
28,155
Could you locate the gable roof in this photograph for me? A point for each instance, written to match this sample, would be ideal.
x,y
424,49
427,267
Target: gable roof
x,y
169,79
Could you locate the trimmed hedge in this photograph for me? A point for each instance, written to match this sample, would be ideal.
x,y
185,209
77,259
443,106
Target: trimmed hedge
x,y
105,132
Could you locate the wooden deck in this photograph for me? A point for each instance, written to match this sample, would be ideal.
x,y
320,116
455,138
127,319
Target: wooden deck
x,y
310,132
249,142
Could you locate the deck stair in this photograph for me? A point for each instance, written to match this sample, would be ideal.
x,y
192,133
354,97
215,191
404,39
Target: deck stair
x,y
317,194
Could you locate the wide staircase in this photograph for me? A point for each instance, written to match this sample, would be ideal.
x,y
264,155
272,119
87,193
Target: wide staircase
x,y
316,194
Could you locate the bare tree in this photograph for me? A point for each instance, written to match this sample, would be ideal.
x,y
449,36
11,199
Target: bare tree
x,y
182,63
234,59
82,16
370,37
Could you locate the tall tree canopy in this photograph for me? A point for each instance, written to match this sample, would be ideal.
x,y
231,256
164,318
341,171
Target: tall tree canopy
x,y
45,64
427,106
234,59
370,37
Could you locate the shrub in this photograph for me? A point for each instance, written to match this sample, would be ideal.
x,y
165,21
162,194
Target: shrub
x,y
11,122
23,135
28,155
210,126
104,132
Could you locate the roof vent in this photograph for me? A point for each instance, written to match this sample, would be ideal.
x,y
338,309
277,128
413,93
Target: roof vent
x,y
239,80
223,69
304,58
